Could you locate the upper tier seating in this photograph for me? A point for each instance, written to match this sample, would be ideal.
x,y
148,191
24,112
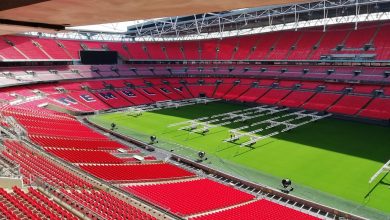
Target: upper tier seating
x,y
26,46
305,44
72,47
53,49
137,172
190,197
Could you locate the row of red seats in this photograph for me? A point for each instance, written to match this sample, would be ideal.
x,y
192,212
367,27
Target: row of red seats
x,y
85,156
260,209
283,95
103,204
31,205
52,130
190,197
136,172
76,143
349,104
36,166
42,205
16,207
378,108
268,46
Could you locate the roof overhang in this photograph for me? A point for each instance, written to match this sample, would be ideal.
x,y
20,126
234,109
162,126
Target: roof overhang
x,y
58,14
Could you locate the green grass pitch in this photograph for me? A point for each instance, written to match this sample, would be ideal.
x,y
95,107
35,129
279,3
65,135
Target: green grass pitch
x,y
333,156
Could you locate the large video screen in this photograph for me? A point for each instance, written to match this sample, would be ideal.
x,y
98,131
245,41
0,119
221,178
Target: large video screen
x,y
98,57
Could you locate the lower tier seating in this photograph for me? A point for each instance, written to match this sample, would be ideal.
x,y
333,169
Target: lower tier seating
x,y
321,101
261,209
252,94
274,96
296,98
190,197
349,104
379,108
137,172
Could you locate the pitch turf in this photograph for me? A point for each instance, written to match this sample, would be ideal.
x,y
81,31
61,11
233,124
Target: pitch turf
x,y
333,156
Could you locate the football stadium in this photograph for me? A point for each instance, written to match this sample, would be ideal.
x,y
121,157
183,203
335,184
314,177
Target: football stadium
x,y
195,110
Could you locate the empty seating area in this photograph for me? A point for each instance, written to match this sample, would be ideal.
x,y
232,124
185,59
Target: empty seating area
x,y
253,94
101,205
137,172
311,95
19,204
76,143
191,197
35,166
85,156
379,108
349,104
112,99
307,44
27,47
201,90
273,96
296,98
262,209
321,101
13,75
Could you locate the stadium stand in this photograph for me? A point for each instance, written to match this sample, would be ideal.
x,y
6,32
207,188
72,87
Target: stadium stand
x,y
114,208
190,197
36,166
137,172
67,167
85,156
262,209
31,205
378,108
349,104
321,101
273,96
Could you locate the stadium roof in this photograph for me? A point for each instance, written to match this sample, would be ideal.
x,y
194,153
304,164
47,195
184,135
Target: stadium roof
x,y
30,15
236,22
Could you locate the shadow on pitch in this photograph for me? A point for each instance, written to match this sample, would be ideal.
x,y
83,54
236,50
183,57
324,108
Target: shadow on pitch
x,y
380,182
